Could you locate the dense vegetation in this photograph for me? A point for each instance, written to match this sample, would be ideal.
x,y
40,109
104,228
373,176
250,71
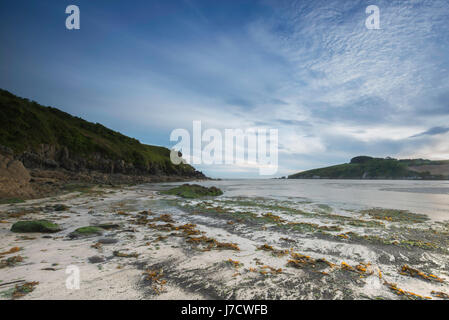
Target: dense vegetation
x,y
25,125
364,167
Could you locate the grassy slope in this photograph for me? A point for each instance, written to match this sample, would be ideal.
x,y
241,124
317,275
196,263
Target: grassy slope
x,y
26,125
374,168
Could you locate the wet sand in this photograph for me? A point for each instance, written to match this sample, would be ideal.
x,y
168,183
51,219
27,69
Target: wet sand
x,y
229,247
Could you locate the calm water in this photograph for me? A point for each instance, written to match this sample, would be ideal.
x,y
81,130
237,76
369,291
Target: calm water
x,y
427,197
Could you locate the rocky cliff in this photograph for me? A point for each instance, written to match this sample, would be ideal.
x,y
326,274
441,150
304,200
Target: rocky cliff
x,y
42,147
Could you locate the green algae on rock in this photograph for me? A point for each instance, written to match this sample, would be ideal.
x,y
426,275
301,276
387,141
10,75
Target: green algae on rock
x,y
395,215
42,226
86,232
192,191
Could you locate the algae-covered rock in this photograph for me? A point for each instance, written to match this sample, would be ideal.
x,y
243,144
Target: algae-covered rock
x,y
61,207
108,241
191,191
107,226
96,259
42,226
88,231
395,215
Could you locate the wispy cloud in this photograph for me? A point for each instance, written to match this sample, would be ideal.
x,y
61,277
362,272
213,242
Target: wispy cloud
x,y
311,69
432,131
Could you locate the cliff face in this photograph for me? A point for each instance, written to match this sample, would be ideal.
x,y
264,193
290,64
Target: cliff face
x,y
51,144
54,157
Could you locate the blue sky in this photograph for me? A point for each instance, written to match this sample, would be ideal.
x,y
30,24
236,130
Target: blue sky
x,y
310,69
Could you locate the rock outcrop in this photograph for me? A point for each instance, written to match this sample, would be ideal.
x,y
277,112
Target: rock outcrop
x,y
42,149
45,171
50,157
14,178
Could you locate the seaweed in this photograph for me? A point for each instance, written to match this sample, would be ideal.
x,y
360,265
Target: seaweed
x,y
10,262
234,263
440,294
302,261
12,250
24,289
125,255
415,273
400,292
154,278
275,252
394,215
212,243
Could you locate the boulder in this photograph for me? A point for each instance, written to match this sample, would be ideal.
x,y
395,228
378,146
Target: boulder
x,y
96,259
42,226
14,179
192,191
85,232
108,241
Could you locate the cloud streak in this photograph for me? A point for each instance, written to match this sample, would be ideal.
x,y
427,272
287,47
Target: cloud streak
x,y
310,69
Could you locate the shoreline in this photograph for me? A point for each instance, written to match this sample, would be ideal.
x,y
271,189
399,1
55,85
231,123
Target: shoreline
x,y
164,247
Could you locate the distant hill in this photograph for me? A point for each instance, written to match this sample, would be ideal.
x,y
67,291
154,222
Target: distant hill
x,y
50,139
364,167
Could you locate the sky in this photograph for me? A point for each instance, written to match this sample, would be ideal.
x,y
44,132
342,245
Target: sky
x,y
310,69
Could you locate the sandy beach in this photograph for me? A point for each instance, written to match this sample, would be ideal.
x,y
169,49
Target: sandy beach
x,y
157,246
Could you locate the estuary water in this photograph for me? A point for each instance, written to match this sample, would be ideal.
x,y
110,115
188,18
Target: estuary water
x,y
426,197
